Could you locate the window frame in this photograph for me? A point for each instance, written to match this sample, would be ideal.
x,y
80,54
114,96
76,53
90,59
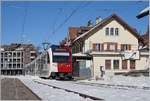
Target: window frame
x,y
125,47
108,64
114,64
114,44
107,31
97,46
132,66
112,31
116,31
124,67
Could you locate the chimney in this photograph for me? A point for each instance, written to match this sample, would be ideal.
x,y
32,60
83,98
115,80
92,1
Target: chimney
x,y
90,24
98,20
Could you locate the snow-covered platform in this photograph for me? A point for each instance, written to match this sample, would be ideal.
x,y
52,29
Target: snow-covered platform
x,y
131,90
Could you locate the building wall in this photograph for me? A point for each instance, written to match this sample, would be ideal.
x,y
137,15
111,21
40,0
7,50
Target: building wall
x,y
11,62
124,37
15,56
100,61
142,63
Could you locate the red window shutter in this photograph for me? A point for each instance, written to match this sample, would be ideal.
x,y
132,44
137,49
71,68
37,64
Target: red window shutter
x,y
94,47
129,47
108,46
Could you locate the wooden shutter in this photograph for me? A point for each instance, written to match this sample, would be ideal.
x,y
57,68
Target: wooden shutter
x,y
108,46
122,47
116,46
129,47
94,47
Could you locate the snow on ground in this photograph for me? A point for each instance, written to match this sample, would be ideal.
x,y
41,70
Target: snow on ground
x,y
123,80
107,93
48,93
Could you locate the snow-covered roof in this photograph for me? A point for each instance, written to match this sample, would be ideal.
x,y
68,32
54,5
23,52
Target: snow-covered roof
x,y
143,12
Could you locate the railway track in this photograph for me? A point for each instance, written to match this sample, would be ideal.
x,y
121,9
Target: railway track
x,y
71,91
124,87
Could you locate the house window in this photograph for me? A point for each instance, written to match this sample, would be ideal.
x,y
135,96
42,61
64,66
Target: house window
x,y
107,31
1,65
116,31
125,47
124,64
14,54
111,31
96,46
116,64
107,64
132,64
111,46
18,54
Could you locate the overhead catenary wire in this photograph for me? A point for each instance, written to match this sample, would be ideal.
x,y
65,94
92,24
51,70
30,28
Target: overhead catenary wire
x,y
56,20
23,24
69,17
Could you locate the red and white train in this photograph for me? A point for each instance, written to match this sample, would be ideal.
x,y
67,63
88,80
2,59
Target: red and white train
x,y
54,63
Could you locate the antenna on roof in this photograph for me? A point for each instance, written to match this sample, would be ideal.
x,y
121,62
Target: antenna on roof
x,y
89,23
98,20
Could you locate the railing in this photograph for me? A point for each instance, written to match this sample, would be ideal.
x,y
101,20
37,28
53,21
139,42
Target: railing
x,y
93,50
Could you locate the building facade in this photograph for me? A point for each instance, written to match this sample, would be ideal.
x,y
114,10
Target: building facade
x,y
113,47
15,56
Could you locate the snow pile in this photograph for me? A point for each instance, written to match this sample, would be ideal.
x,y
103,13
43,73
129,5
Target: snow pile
x,y
123,80
107,93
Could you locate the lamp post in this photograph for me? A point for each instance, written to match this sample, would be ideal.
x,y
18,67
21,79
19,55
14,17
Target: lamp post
x,y
45,45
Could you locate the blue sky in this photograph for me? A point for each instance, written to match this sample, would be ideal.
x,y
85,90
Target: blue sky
x,y
42,19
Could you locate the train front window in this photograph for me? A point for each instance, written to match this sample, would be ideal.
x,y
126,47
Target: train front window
x,y
61,57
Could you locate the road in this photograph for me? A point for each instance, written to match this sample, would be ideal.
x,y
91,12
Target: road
x,y
14,89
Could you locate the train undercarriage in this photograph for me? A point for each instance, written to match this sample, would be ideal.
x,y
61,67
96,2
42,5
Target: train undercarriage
x,y
61,76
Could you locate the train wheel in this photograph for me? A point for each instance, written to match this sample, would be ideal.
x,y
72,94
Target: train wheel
x,y
53,75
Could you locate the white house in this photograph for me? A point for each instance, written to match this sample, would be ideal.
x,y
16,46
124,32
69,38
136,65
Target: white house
x,y
112,45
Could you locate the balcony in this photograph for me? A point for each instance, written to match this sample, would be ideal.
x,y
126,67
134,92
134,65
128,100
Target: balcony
x,y
91,51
